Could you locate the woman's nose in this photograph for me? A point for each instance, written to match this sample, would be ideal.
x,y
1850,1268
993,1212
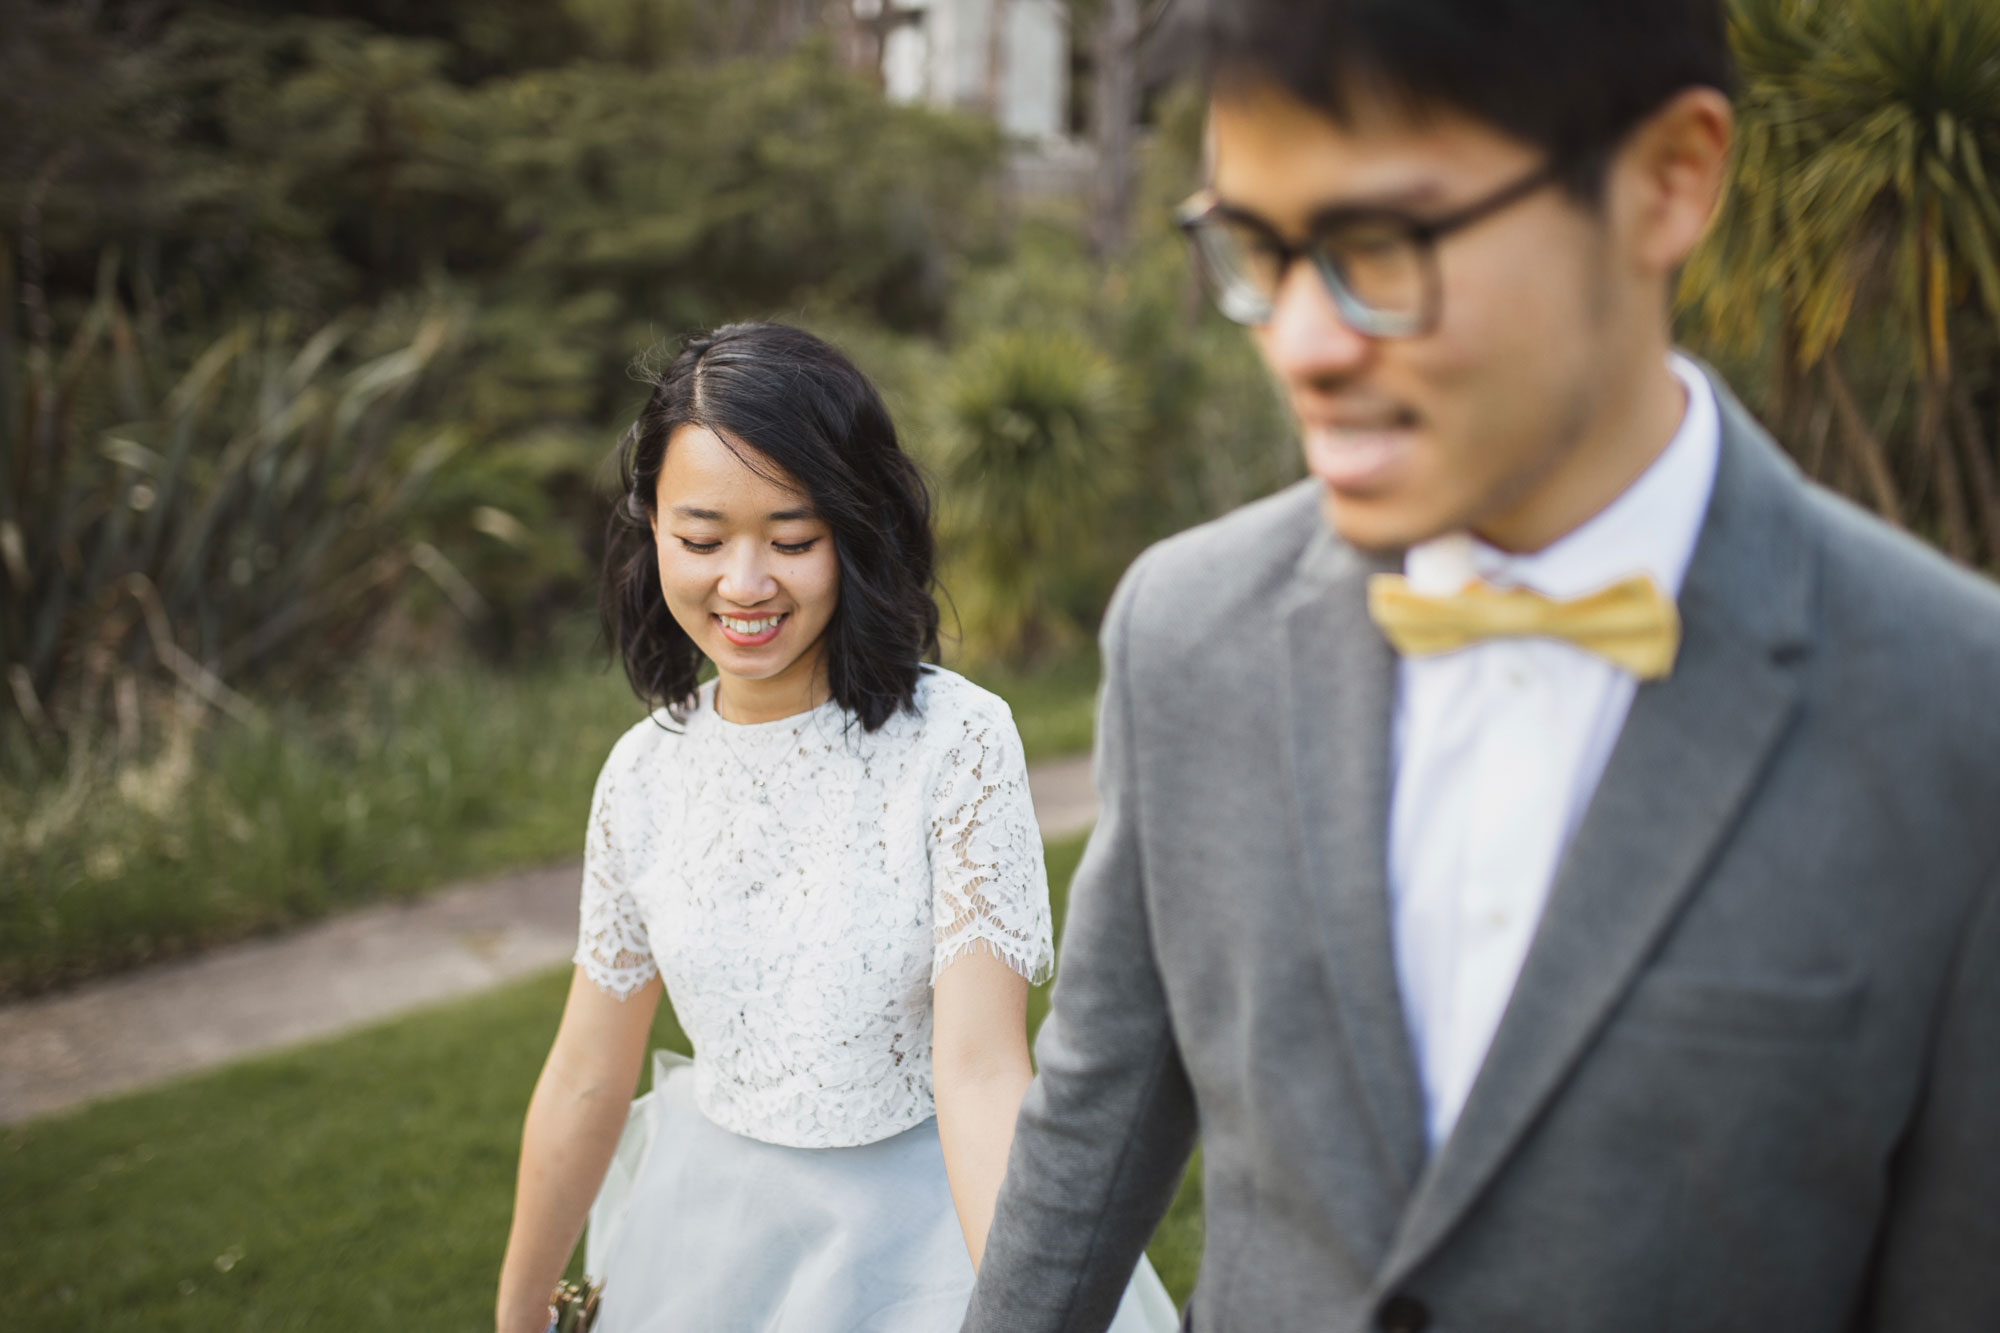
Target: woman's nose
x,y
746,574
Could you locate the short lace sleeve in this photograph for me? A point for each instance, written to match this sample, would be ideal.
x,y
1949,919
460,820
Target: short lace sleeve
x,y
989,887
611,947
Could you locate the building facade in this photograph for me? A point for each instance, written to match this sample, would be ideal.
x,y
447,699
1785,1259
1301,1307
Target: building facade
x,y
1007,58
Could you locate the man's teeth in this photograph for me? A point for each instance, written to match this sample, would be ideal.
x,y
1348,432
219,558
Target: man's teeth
x,y
763,626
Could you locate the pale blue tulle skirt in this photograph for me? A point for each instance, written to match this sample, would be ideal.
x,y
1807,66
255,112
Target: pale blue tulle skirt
x,y
699,1230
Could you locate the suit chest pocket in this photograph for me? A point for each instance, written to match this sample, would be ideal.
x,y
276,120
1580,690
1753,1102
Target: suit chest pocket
x,y
1698,1007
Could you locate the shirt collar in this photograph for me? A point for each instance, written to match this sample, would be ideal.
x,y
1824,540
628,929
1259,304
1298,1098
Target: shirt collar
x,y
1649,529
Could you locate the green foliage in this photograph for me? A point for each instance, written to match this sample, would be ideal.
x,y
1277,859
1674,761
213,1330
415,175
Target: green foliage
x,y
647,203
86,132
245,515
590,181
1038,425
1092,408
1858,249
400,781
344,1185
692,196
1867,132
582,182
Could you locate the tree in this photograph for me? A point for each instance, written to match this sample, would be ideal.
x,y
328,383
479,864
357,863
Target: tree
x,y
1114,119
1860,243
1120,31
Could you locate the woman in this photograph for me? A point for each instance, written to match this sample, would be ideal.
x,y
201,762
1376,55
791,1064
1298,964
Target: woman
x,y
827,854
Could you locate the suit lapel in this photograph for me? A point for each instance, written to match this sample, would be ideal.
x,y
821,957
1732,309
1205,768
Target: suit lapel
x,y
1340,683
1683,769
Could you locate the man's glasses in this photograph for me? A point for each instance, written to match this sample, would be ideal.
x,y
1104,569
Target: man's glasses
x,y
1379,265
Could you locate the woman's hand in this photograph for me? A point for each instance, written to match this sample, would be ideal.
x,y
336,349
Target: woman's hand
x,y
574,1120
979,1072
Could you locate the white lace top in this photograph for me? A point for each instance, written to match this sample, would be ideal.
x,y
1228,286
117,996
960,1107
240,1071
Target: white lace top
x,y
800,885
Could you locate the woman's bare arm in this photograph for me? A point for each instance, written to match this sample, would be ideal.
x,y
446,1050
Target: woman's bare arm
x,y
979,1071
573,1124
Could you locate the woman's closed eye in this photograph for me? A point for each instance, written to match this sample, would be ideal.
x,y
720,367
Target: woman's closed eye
x,y
784,548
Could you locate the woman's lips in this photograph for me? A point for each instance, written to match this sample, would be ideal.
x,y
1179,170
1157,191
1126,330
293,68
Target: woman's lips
x,y
1357,460
751,631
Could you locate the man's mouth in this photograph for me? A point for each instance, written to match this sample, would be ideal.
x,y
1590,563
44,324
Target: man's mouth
x,y
1359,454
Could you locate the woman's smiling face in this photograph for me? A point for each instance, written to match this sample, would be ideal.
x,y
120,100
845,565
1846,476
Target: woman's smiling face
x,y
749,572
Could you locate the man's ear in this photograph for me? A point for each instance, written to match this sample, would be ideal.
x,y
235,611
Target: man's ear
x,y
1668,177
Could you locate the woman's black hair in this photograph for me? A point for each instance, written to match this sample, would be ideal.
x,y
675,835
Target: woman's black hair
x,y
794,410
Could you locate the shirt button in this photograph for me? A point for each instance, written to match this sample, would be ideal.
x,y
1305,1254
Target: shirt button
x,y
1499,919
1517,677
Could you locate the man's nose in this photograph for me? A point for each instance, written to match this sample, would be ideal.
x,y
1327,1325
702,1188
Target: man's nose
x,y
1306,340
746,574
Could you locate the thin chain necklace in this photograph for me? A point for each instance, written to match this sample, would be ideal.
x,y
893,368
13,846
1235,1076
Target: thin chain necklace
x,y
759,780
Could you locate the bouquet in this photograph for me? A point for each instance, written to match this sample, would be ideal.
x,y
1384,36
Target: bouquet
x,y
573,1309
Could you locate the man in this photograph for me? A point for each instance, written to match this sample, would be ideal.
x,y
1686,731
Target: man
x,y
1548,856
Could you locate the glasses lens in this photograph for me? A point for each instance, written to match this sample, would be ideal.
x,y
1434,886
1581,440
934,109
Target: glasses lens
x,y
1242,267
1376,268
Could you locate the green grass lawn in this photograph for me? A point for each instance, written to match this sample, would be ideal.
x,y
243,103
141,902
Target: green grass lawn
x,y
403,782
361,1183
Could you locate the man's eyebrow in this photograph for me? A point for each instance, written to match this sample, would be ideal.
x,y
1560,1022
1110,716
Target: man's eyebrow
x,y
1406,199
1387,201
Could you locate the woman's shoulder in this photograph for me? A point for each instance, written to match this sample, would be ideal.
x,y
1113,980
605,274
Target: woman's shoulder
x,y
947,702
647,741
960,723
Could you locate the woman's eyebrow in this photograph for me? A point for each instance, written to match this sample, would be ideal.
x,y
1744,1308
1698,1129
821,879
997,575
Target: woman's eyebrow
x,y
717,516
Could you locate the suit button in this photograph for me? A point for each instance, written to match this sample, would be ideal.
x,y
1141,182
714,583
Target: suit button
x,y
1403,1314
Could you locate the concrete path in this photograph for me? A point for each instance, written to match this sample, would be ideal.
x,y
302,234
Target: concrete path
x,y
363,967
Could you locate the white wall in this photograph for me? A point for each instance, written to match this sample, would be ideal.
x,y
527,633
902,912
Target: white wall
x,y
1035,88
944,58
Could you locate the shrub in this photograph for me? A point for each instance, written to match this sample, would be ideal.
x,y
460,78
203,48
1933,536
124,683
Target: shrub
x,y
1853,273
184,528
1035,432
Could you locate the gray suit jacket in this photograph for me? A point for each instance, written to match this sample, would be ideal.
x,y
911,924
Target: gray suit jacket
x,y
1749,1079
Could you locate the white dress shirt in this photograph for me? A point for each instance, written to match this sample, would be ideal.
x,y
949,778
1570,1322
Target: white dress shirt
x,y
1498,749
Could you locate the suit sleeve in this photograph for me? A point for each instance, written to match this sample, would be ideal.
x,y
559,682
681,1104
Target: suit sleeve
x,y
1109,1122
1938,1269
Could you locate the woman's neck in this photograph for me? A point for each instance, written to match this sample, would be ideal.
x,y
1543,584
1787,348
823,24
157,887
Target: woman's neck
x,y
799,688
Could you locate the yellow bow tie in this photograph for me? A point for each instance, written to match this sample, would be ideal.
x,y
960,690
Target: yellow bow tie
x,y
1631,624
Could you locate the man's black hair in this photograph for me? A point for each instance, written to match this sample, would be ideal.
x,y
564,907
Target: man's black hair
x,y
1573,77
796,411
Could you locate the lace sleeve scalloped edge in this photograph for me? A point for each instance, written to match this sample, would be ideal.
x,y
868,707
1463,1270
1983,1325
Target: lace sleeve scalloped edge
x,y
622,978
1037,968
